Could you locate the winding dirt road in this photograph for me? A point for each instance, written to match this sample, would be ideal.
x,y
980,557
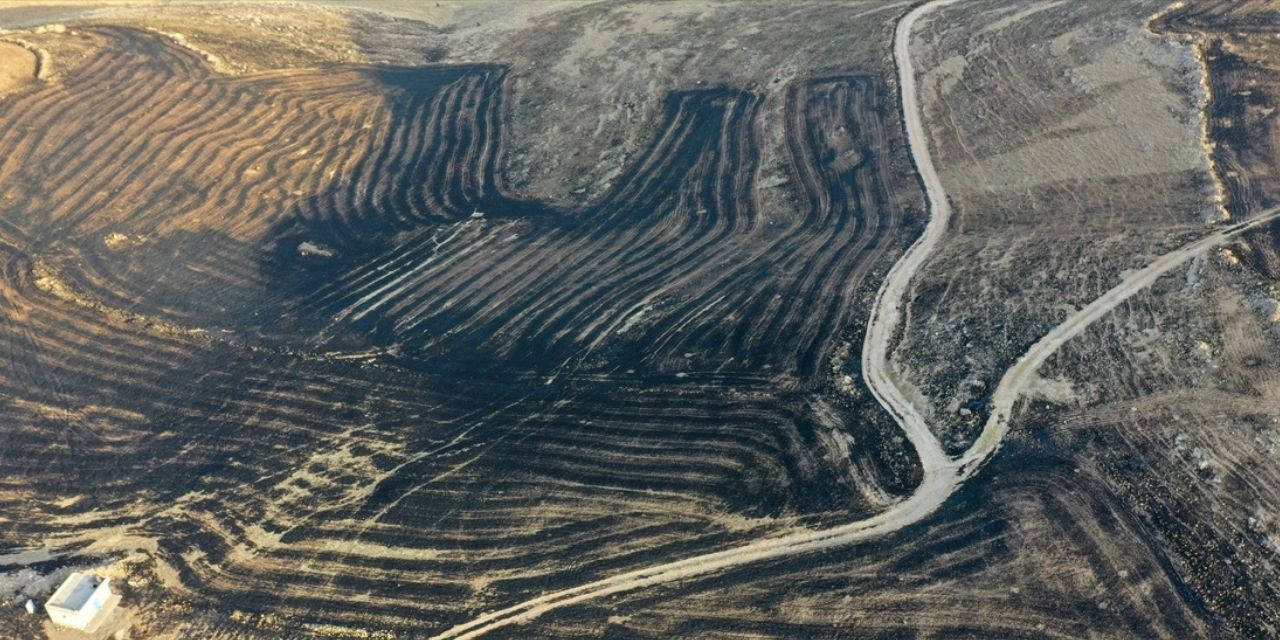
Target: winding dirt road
x,y
942,474
1015,380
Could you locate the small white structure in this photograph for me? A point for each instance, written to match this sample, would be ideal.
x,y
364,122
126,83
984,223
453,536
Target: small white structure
x,y
82,602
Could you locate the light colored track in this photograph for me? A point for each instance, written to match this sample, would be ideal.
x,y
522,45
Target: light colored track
x,y
942,475
1015,380
886,313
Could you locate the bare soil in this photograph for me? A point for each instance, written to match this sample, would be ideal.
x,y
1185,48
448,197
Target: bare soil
x,y
17,67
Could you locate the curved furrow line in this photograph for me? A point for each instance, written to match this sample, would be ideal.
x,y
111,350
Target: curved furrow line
x,y
193,147
752,270
133,154
622,266
336,211
790,255
547,284
373,272
35,111
345,202
405,143
447,178
267,130
410,197
140,86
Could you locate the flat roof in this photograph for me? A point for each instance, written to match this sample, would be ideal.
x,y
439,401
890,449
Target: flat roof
x,y
74,592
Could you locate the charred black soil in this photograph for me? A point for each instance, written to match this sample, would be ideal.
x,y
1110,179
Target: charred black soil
x,y
290,334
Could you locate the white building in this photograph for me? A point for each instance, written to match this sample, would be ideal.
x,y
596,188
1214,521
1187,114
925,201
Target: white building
x,y
82,602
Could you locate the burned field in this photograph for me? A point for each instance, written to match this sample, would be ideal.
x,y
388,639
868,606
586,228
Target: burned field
x,y
562,334
1165,410
289,337
1184,422
1239,44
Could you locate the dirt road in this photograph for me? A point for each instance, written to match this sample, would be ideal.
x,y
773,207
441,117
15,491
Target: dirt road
x,y
887,311
1015,380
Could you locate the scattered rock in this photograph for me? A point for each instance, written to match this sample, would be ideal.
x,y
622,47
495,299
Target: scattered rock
x,y
308,248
